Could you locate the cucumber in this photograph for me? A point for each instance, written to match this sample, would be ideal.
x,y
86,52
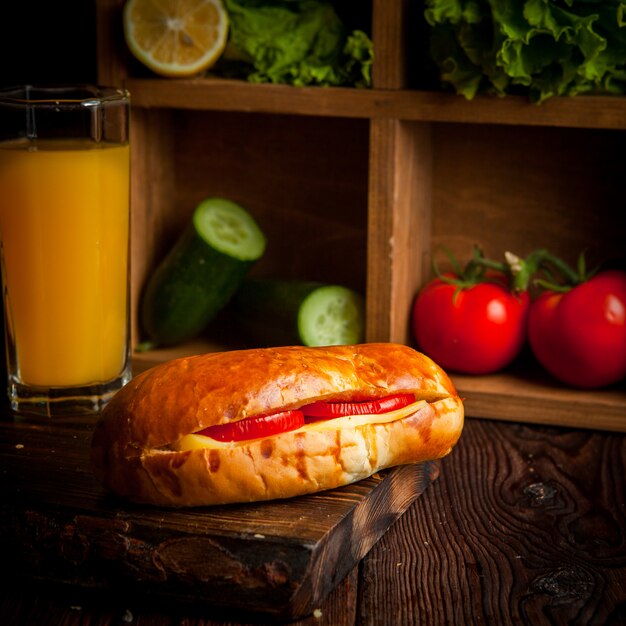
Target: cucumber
x,y
272,311
201,272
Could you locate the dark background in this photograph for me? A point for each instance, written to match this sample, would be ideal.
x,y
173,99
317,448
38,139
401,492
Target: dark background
x,y
47,41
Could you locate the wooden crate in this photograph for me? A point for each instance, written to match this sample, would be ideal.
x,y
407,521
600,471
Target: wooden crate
x,y
368,184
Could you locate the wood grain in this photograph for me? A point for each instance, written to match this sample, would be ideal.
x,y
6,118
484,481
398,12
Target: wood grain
x,y
526,526
390,33
153,222
399,227
519,189
112,53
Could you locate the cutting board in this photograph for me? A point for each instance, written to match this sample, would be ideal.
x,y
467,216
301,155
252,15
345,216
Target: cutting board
x,y
281,558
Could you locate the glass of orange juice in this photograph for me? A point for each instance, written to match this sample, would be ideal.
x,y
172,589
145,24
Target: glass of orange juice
x,y
64,232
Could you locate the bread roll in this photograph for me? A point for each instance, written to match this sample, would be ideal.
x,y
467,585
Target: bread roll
x,y
137,451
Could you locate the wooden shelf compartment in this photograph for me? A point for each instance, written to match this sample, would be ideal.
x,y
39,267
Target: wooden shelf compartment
x,y
304,180
504,188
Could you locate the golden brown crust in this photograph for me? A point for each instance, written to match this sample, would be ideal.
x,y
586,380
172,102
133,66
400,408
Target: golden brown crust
x,y
185,395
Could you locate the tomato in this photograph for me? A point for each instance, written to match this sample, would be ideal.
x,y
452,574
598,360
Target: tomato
x,y
255,427
580,336
276,423
328,410
474,329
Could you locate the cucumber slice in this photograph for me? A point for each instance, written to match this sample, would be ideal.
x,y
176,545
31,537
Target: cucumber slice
x,y
229,228
273,311
331,315
201,272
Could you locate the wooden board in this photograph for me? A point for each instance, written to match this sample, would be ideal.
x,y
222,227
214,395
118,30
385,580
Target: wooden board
x,y
280,558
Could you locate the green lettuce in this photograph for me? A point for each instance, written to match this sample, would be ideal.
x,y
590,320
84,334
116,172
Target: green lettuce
x,y
542,48
298,42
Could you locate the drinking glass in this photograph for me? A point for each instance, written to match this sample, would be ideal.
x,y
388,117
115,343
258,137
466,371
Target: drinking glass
x,y
64,234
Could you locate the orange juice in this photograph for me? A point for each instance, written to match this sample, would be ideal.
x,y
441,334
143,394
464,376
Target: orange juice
x,y
64,220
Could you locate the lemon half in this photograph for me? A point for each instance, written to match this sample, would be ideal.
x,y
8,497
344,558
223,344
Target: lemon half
x,y
176,38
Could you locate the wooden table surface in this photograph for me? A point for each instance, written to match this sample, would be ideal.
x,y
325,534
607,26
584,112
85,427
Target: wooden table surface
x,y
525,525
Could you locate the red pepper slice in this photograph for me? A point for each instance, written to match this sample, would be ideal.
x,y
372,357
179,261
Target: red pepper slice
x,y
328,410
255,427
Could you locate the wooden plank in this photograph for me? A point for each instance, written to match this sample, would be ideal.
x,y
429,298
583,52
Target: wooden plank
x,y
526,525
390,34
232,95
112,52
412,215
153,214
399,228
381,189
523,393
574,112
280,558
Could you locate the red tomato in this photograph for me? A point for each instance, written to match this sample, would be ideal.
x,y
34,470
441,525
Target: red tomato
x,y
475,330
328,410
255,427
580,336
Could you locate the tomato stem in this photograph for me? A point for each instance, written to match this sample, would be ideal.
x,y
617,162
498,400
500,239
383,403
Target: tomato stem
x,y
516,272
519,270
522,270
567,277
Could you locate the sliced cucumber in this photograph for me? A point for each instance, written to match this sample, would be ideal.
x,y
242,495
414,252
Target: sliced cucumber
x,y
229,228
290,312
201,272
331,315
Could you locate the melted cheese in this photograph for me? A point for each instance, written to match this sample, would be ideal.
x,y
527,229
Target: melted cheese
x,y
196,442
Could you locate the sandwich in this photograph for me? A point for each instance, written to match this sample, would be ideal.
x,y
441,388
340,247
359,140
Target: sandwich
x,y
269,423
